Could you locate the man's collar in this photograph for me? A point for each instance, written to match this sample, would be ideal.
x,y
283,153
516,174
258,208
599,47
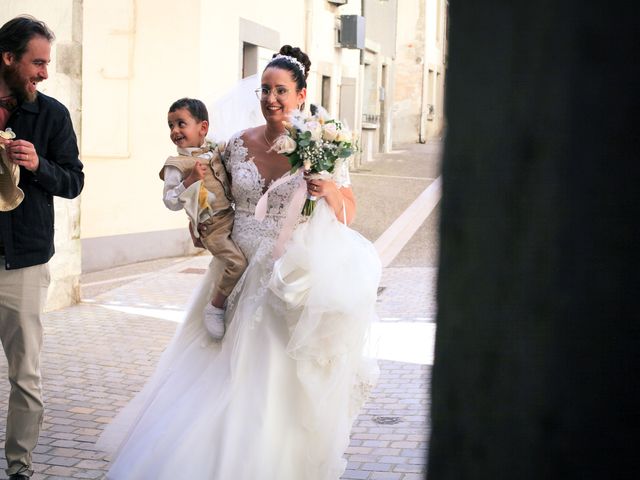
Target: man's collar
x,y
33,107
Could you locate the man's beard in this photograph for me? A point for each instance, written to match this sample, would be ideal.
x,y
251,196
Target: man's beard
x,y
17,84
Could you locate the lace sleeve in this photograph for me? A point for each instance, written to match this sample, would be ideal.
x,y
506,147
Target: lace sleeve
x,y
341,173
227,156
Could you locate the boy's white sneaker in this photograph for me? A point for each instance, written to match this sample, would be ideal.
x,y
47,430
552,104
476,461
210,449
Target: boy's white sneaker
x,y
214,321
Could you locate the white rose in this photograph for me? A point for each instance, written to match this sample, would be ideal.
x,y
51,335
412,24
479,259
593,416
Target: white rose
x,y
316,130
284,144
306,165
329,132
7,134
343,136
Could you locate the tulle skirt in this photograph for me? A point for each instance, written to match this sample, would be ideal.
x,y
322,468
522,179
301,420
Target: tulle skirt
x,y
276,398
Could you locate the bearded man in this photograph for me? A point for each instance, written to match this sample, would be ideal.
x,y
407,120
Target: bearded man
x,y
40,160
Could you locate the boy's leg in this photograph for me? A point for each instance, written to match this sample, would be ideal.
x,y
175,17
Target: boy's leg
x,y
216,238
218,299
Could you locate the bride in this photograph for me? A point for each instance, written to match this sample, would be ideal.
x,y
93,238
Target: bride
x,y
276,398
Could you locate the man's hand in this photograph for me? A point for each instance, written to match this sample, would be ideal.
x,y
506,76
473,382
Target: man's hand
x,y
23,153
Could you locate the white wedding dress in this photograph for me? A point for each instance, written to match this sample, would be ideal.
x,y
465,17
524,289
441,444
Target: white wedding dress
x,y
276,398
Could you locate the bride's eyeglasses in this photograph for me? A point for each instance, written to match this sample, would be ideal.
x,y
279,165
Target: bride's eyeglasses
x,y
279,92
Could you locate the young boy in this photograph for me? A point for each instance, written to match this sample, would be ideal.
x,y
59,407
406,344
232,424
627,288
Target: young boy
x,y
197,182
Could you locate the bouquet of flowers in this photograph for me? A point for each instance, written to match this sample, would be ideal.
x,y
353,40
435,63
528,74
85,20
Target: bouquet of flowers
x,y
314,143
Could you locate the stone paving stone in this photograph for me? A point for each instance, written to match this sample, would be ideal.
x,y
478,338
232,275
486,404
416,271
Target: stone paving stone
x,y
386,451
376,467
407,468
362,458
63,452
355,475
63,461
41,458
89,474
386,476
54,472
396,460
92,464
375,443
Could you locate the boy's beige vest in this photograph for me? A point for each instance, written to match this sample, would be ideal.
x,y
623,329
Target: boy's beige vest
x,y
215,178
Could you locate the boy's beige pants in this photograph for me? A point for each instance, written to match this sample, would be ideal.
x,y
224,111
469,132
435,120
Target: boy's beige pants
x,y
215,235
22,295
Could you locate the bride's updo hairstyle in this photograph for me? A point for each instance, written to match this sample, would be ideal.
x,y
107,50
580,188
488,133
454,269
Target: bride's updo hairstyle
x,y
294,60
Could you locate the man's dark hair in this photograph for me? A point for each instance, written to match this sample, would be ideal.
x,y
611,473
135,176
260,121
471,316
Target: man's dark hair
x,y
196,108
17,32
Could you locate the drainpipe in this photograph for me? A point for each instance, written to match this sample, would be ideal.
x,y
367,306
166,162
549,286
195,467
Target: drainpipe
x,y
360,94
421,132
362,9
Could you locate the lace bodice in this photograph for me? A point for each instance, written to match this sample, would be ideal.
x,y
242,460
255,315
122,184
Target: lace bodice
x,y
247,186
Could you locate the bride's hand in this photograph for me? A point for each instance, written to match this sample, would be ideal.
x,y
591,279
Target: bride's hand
x,y
321,188
340,200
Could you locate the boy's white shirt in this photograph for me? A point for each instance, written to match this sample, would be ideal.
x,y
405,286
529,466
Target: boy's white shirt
x,y
177,197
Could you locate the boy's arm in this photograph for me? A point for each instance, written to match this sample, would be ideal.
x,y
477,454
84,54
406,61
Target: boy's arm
x,y
173,188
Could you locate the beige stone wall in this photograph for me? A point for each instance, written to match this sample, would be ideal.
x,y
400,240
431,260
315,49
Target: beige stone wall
x,y
418,107
433,118
63,17
409,71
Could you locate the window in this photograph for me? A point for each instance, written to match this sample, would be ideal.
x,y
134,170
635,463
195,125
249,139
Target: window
x,y
326,93
249,59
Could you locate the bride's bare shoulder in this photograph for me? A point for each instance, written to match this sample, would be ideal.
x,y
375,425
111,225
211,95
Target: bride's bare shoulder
x,y
251,137
253,133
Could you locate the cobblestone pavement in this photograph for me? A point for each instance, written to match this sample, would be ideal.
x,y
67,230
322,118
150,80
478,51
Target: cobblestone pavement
x,y
99,353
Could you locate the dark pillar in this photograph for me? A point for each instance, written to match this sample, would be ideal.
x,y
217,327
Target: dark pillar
x,y
539,315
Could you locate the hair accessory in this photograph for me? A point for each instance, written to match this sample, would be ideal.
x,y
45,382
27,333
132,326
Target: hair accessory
x,y
289,59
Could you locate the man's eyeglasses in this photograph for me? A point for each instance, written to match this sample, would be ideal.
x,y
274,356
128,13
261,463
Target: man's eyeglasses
x,y
279,92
